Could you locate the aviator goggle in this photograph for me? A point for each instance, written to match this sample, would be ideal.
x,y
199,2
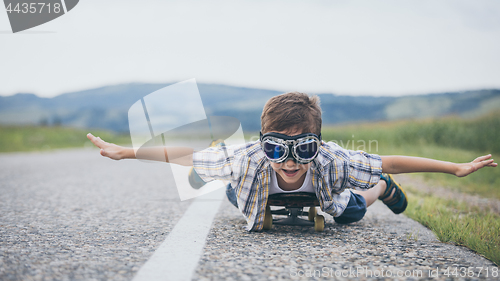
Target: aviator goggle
x,y
301,148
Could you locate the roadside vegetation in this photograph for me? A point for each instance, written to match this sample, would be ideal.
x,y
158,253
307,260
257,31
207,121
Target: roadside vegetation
x,y
457,222
449,139
40,138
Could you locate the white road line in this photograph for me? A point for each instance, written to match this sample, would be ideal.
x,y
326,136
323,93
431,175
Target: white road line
x,y
178,256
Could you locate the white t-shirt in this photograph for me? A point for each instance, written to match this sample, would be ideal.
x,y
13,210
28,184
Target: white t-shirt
x,y
307,186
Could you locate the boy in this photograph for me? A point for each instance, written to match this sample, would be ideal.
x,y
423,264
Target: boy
x,y
291,157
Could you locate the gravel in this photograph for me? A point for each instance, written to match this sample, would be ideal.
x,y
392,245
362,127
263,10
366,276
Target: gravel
x,y
381,245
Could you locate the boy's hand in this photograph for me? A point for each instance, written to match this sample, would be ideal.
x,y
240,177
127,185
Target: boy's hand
x,y
478,163
110,150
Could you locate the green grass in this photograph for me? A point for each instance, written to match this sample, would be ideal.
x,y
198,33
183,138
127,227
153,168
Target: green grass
x,y
480,134
456,222
485,182
450,139
35,138
385,139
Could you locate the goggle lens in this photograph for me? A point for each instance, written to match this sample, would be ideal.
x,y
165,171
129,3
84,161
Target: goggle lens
x,y
307,150
274,150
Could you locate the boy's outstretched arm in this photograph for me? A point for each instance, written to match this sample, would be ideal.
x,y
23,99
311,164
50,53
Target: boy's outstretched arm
x,y
177,155
408,164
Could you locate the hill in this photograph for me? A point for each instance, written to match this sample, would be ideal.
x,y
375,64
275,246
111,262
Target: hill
x,y
107,107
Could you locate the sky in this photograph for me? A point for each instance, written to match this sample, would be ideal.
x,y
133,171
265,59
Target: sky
x,y
345,47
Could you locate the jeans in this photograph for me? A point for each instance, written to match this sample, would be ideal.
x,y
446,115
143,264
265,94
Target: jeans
x,y
231,195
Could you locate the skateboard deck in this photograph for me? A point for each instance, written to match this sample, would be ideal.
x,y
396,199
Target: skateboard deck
x,y
296,199
293,204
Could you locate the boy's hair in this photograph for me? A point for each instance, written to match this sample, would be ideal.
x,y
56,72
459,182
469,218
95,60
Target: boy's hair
x,y
292,111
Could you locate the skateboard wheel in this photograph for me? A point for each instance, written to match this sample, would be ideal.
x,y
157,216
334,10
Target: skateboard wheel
x,y
268,219
319,223
311,213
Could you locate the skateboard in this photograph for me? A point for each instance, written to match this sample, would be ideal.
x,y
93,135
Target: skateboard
x,y
293,204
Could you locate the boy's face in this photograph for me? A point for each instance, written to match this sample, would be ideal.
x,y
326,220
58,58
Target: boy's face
x,y
290,172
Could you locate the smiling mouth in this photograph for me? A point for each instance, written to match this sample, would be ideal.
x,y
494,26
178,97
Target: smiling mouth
x,y
290,173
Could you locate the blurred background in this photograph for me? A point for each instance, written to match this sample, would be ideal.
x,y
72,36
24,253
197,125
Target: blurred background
x,y
394,77
369,62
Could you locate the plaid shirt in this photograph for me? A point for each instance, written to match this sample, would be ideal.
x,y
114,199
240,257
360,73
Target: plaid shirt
x,y
246,167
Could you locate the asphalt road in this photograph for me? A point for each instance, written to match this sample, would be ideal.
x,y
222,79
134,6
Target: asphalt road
x,y
73,215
